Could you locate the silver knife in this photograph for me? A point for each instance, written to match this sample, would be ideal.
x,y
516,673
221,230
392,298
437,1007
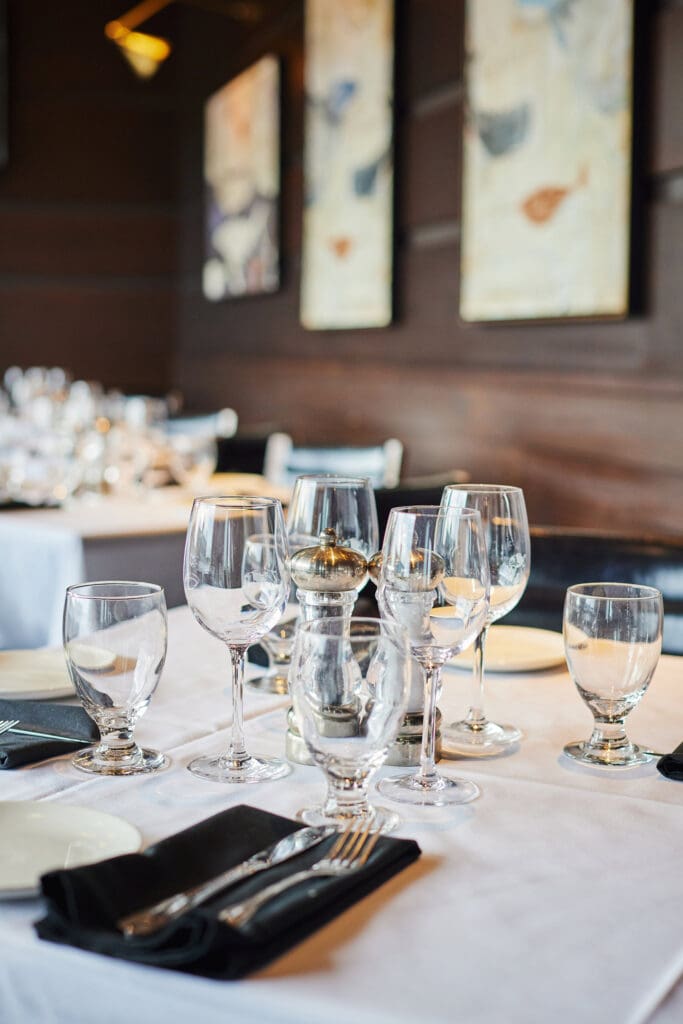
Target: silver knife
x,y
151,919
19,731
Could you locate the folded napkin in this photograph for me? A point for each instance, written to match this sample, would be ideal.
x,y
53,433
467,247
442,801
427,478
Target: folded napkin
x,y
40,716
83,904
671,765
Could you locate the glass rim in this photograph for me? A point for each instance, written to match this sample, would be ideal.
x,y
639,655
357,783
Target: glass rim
x,y
436,511
240,501
151,590
484,488
327,477
647,592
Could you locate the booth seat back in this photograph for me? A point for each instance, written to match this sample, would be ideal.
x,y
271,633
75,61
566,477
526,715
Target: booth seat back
x,y
562,557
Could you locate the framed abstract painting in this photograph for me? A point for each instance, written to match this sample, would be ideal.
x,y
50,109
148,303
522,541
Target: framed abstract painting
x,y
347,252
242,184
546,201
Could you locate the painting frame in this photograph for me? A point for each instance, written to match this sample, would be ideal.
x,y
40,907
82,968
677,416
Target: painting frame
x,y
242,184
545,240
347,256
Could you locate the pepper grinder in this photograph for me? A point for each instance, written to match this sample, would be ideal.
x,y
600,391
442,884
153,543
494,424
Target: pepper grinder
x,y
328,578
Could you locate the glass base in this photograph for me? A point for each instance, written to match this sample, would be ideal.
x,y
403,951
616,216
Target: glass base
x,y
100,761
629,756
484,740
221,768
275,683
437,791
380,818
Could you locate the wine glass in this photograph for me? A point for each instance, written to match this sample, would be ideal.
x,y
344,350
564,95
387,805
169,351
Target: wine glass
x,y
349,684
236,583
434,581
504,519
278,644
115,638
612,641
343,504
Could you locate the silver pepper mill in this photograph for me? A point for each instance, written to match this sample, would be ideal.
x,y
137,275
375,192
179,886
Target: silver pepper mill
x,y
328,579
405,751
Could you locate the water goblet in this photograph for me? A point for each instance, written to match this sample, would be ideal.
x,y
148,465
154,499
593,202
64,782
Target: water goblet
x,y
343,504
434,581
115,637
349,683
506,528
278,644
237,584
612,641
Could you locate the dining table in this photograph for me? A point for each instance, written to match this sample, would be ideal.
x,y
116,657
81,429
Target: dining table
x,y
555,896
137,536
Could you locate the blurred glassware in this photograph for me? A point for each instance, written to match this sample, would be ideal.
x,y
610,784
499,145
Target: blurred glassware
x,y
344,504
506,529
349,683
434,582
613,640
192,460
115,637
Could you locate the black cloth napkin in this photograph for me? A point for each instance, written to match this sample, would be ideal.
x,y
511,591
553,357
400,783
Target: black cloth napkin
x,y
83,904
671,765
16,750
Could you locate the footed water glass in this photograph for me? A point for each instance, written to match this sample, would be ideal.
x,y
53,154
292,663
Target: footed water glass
x,y
349,683
115,638
612,640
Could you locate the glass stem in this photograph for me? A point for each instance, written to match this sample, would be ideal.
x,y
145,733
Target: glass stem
x,y
428,772
237,752
609,736
475,718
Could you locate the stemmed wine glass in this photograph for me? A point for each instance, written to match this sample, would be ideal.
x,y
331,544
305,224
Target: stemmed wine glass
x,y
434,581
349,684
236,583
115,637
504,519
612,640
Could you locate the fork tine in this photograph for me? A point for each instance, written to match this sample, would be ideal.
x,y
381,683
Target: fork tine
x,y
339,843
8,723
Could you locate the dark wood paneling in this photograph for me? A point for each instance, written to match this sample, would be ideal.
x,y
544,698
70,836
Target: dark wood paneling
x,y
431,32
118,336
87,203
92,240
667,69
429,180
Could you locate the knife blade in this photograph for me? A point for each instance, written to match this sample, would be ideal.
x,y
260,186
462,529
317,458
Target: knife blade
x,y
21,730
151,919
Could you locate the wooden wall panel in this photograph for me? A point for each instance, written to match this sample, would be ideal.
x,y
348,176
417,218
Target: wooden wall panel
x,y
88,223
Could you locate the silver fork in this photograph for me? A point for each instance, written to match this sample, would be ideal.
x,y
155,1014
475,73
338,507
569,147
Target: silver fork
x,y
349,853
8,723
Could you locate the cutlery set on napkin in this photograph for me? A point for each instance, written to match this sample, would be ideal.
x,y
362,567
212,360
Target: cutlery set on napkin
x,y
172,906
33,731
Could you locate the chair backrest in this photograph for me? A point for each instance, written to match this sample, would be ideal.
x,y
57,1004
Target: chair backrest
x,y
562,557
284,461
241,454
214,424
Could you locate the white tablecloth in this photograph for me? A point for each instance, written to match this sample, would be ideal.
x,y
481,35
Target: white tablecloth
x,y
42,551
554,897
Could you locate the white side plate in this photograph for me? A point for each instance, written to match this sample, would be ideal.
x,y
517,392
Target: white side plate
x,y
35,675
517,649
36,837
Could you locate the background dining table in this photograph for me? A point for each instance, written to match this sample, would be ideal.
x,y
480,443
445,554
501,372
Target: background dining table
x,y
556,896
115,536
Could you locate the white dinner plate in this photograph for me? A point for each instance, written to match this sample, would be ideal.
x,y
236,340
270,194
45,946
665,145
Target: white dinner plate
x,y
517,649
36,837
39,675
